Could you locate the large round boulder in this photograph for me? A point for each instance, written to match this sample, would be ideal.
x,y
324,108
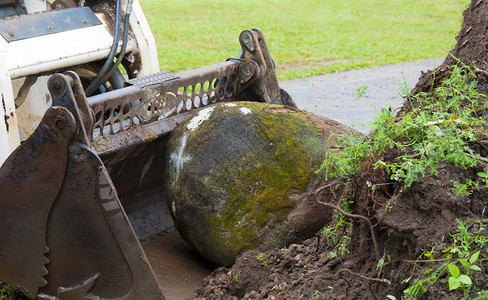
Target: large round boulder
x,y
237,176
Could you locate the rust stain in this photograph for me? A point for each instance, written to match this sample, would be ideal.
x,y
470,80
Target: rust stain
x,y
280,109
148,135
6,116
144,259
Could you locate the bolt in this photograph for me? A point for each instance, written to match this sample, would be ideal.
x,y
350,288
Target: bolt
x,y
49,27
247,70
23,5
57,84
246,73
83,20
60,124
11,34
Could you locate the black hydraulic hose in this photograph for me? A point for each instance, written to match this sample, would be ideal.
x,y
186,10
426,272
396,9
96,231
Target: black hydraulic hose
x,y
124,45
110,59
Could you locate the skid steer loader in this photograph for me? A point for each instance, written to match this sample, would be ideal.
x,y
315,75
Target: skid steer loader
x,y
81,144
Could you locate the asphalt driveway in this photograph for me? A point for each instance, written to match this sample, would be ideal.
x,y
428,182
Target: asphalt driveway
x,y
334,95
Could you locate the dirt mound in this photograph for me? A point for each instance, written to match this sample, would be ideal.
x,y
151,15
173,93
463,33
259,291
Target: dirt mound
x,y
471,48
423,217
425,239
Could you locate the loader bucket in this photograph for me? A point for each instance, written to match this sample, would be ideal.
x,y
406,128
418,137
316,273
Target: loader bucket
x,y
84,191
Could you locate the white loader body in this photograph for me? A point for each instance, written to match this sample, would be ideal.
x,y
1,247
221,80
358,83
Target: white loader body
x,y
34,58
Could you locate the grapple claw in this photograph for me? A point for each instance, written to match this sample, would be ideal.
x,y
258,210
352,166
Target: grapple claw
x,y
63,230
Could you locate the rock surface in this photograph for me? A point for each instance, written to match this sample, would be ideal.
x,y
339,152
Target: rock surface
x,y
237,176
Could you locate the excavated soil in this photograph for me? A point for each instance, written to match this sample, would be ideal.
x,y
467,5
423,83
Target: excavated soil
x,y
420,218
423,216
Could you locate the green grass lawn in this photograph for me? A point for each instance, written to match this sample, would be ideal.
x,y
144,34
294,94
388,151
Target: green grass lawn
x,y
307,37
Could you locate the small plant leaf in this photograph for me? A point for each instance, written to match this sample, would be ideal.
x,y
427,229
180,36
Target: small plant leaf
x,y
361,91
464,263
454,283
474,257
465,279
382,262
370,125
454,270
483,175
475,267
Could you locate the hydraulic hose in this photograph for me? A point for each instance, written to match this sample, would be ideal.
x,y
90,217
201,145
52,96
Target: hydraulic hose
x,y
124,43
115,44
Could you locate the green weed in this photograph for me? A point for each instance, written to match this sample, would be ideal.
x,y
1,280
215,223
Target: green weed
x,y
439,128
459,261
8,292
361,91
263,261
337,233
340,162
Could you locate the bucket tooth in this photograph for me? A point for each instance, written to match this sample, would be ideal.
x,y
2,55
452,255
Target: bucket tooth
x,y
89,233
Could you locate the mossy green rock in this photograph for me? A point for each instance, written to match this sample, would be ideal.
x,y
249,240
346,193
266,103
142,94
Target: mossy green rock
x,y
237,175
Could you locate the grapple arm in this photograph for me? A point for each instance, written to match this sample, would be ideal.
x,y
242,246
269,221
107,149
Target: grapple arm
x,y
151,105
63,230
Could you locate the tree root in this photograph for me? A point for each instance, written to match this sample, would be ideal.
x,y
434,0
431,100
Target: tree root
x,y
334,182
370,279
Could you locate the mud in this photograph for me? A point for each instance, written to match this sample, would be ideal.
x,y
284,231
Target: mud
x,y
179,270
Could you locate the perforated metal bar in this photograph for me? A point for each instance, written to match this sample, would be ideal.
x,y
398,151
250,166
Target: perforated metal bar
x,y
165,95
